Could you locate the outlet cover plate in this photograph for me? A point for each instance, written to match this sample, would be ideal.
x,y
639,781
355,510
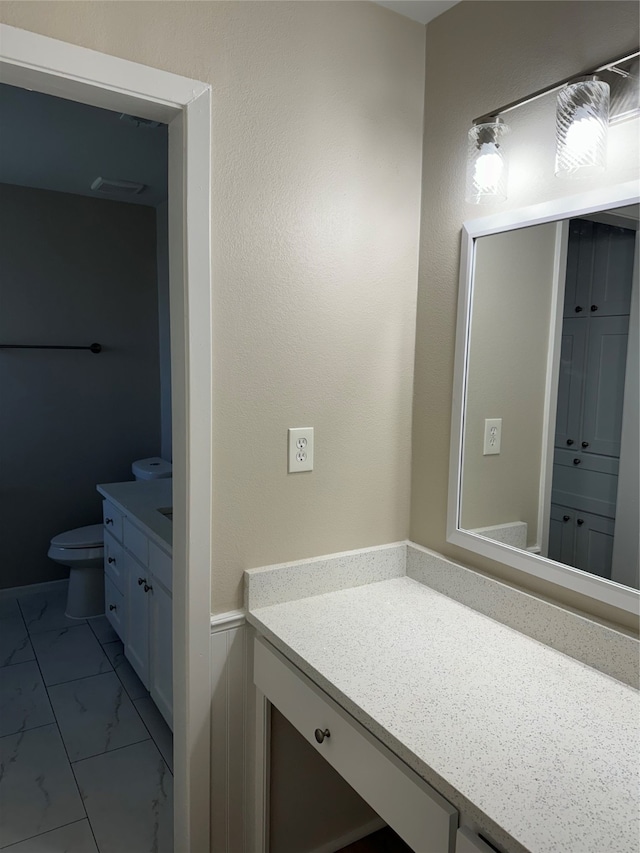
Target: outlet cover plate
x,y
300,449
492,436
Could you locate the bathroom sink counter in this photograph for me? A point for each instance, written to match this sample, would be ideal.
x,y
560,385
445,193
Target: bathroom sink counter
x,y
540,749
141,500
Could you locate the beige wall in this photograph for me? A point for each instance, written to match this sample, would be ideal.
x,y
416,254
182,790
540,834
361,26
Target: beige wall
x,y
480,55
508,351
317,127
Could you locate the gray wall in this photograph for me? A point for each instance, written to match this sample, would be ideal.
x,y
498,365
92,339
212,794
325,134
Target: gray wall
x,y
73,270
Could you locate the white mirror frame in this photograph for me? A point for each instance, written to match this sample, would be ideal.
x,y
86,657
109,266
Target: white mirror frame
x,y
610,592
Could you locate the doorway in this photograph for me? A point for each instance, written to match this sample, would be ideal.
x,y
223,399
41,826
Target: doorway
x,y
28,60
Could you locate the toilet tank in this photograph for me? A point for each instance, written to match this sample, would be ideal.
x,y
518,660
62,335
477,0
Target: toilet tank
x,y
153,468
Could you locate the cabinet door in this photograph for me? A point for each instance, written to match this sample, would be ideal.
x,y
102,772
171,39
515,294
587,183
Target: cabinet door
x,y
579,268
571,382
599,269
161,663
137,643
604,385
594,543
113,562
612,270
562,534
115,608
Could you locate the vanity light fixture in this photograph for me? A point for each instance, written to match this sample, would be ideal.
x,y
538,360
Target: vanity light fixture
x,y
582,124
486,163
587,104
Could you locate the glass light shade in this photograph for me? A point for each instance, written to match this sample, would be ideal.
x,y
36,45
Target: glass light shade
x,y
486,163
582,123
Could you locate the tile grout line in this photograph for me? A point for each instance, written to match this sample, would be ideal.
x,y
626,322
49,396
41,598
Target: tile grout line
x,y
64,746
32,729
155,743
82,677
133,701
31,837
24,622
109,751
124,687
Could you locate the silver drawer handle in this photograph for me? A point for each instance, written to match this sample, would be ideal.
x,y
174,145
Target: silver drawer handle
x,y
320,735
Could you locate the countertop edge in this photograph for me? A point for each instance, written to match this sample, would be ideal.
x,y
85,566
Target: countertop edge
x,y
133,511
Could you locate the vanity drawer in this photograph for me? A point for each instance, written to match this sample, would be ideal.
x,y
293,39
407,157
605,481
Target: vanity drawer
x,y
113,562
160,565
114,608
424,819
112,518
136,542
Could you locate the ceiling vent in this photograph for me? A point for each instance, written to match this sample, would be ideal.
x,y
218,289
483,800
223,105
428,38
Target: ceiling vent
x,y
106,186
139,121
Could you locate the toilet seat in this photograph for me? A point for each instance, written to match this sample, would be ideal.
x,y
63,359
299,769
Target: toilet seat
x,y
91,536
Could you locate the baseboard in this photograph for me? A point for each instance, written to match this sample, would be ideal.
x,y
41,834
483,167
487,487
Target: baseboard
x,y
350,837
46,586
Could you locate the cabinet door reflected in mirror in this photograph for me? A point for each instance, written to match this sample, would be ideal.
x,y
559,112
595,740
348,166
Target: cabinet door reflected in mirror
x,y
549,442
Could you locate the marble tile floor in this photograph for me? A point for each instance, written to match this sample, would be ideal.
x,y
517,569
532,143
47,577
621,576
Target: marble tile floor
x,y
85,755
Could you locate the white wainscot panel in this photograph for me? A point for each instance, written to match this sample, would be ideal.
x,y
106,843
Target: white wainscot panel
x,y
231,736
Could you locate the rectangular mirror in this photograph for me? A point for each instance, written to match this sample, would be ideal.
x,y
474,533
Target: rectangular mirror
x,y
544,470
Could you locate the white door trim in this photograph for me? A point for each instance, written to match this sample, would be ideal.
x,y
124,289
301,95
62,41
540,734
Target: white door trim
x,y
551,384
32,61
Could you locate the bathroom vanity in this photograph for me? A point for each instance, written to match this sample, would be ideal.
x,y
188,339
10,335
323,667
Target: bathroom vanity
x,y
452,726
138,580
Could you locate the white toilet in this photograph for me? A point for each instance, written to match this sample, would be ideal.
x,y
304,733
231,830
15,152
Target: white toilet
x,y
82,550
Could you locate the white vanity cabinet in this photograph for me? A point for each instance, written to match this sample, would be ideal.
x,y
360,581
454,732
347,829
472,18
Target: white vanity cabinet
x,y
160,650
411,807
114,576
139,603
136,645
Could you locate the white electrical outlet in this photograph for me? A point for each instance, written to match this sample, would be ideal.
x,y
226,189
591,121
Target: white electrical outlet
x,y
492,436
300,449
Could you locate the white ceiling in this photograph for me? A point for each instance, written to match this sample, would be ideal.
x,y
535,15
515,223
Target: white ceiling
x,y
418,10
54,144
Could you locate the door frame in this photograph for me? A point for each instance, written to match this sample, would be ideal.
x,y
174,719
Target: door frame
x,y
551,385
32,61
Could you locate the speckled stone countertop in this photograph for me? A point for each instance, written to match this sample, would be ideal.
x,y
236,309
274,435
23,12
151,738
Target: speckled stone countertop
x,y
540,749
141,500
